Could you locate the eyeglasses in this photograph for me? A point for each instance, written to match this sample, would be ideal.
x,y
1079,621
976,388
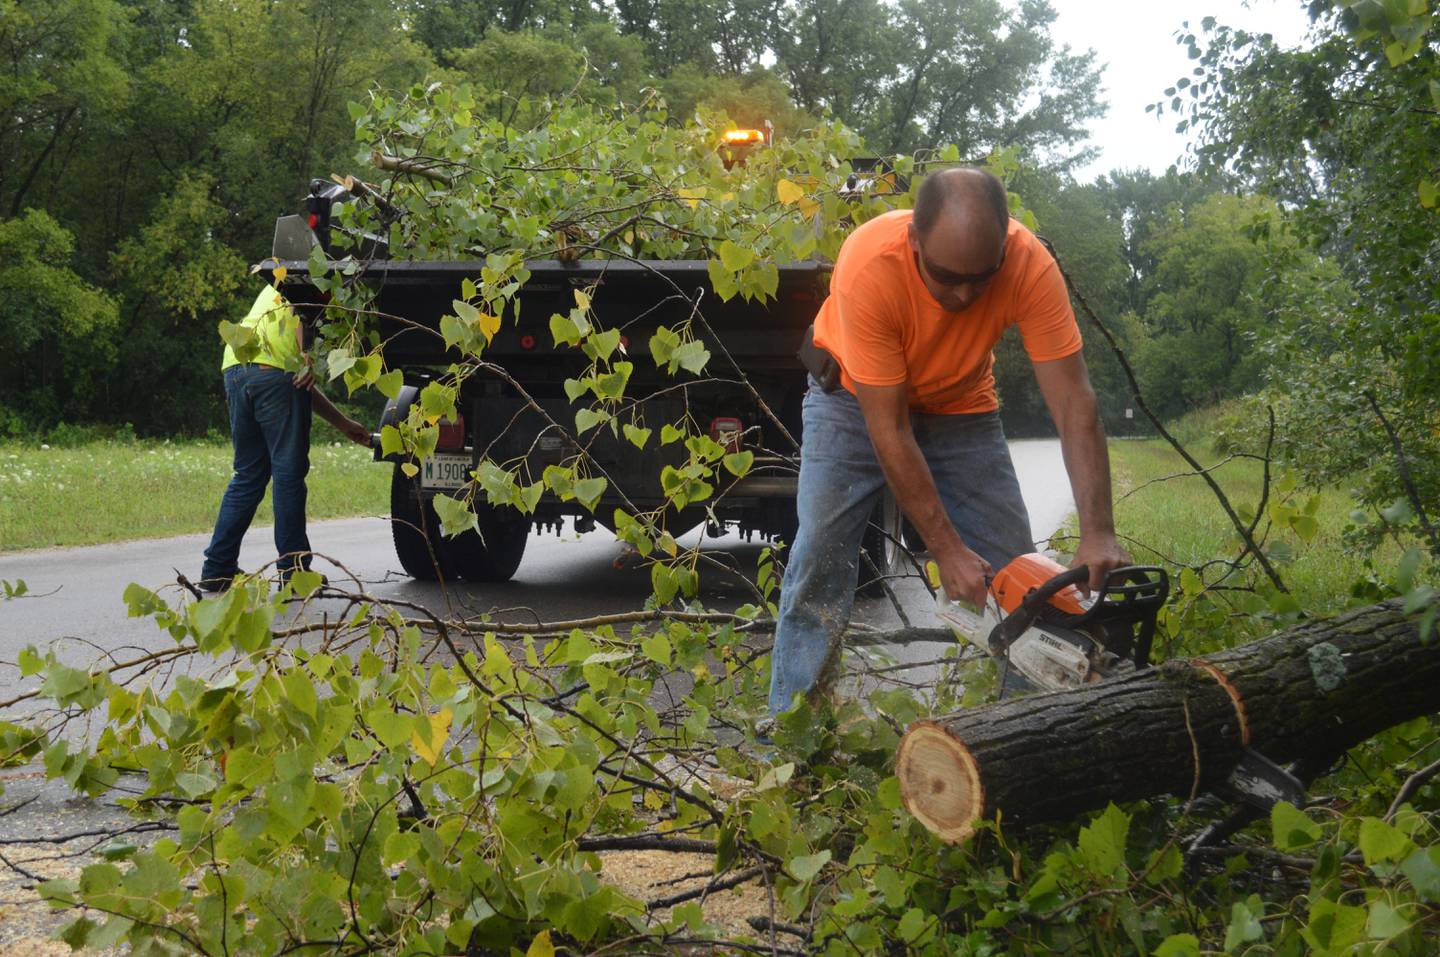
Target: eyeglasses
x,y
945,277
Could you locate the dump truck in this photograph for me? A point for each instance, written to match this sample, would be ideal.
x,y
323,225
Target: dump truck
x,y
749,398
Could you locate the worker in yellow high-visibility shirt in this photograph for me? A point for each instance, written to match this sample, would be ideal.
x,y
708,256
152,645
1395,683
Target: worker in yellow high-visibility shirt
x,y
270,390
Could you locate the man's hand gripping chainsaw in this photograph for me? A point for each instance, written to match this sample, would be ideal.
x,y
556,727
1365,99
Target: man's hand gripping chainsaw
x,y
1035,619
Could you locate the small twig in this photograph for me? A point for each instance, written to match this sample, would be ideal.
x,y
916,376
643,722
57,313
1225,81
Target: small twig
x,y
764,924
646,842
1190,473
186,584
1305,864
1194,756
719,884
28,875
15,808
565,627
1135,391
1265,476
143,827
1412,784
1389,107
414,167
1402,468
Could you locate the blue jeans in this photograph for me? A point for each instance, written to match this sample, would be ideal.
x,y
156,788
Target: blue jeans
x,y
270,430
840,482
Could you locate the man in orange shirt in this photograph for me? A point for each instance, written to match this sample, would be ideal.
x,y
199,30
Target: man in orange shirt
x,y
917,302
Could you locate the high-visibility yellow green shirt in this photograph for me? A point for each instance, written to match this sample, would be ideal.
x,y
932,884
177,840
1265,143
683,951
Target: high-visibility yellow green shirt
x,y
275,325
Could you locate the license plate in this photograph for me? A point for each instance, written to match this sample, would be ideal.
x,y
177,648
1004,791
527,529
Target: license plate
x,y
445,470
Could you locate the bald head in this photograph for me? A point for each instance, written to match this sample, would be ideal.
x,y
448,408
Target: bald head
x,y
971,197
958,234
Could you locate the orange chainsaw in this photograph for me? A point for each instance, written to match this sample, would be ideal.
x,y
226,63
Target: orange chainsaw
x,y
1036,622
1049,638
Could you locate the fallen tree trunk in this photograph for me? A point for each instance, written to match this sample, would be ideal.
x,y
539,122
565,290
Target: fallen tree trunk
x,y
1305,693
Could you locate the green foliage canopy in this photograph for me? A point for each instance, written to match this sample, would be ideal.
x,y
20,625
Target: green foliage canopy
x,y
1342,130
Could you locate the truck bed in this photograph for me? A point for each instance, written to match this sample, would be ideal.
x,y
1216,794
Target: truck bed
x,y
634,296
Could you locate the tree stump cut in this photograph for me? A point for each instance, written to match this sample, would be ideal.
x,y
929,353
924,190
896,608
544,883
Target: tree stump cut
x,y
1309,692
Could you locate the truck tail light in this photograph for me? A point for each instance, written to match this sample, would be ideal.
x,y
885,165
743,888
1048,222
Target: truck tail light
x,y
728,431
452,434
527,342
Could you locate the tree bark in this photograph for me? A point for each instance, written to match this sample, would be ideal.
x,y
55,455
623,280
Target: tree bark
x,y
1310,691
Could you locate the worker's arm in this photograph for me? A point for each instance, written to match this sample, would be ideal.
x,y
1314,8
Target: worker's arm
x,y
887,419
1065,385
305,379
348,427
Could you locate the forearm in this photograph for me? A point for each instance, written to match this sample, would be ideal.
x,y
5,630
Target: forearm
x,y
1087,462
909,477
324,408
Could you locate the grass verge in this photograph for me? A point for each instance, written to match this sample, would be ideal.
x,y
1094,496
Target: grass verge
x,y
108,491
1164,514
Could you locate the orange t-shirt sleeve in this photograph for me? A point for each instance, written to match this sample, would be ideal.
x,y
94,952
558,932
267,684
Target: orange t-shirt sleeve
x,y
872,350
1046,320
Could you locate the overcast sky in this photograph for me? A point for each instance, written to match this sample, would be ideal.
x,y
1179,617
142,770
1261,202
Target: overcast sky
x,y
1136,38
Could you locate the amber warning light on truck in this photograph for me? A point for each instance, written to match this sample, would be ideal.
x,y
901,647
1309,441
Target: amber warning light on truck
x,y
737,144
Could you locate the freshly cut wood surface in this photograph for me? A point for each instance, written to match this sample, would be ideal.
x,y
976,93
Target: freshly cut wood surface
x,y
1308,692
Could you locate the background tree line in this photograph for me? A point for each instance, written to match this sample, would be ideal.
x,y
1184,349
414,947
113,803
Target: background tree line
x,y
147,146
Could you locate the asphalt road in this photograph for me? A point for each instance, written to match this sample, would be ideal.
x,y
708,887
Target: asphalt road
x,y
75,593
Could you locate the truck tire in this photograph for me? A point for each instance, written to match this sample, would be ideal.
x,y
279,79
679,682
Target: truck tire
x,y
493,553
882,543
418,557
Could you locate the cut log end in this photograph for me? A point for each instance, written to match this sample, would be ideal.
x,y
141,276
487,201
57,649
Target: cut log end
x,y
939,781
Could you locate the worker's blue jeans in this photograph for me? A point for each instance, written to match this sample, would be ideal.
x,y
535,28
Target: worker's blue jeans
x,y
270,430
840,482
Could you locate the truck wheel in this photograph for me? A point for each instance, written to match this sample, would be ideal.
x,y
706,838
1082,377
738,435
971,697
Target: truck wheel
x,y
881,543
407,519
493,553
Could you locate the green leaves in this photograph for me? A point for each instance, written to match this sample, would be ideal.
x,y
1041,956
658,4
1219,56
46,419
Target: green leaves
x,y
1385,921
455,515
636,435
1381,842
241,339
194,785
735,257
1179,945
1244,926
1422,870
1291,828
588,491
1102,843
664,583
587,419
738,463
806,866
437,402
390,383
564,330
672,352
